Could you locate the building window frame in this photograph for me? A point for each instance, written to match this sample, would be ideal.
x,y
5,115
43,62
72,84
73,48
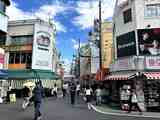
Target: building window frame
x,y
152,10
127,16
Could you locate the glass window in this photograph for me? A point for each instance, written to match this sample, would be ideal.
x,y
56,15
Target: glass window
x,y
29,58
22,40
2,39
11,58
152,10
17,58
127,16
23,57
2,6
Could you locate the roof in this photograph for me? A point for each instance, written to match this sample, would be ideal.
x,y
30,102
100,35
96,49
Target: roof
x,y
7,2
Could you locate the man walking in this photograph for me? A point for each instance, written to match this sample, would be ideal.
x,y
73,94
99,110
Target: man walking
x,y
38,94
72,93
134,102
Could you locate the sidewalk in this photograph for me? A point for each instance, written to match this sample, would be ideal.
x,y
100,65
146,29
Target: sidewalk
x,y
110,111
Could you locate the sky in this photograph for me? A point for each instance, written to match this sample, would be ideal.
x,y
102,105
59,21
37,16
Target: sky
x,y
73,19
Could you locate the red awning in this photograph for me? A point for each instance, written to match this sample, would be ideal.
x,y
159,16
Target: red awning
x,y
120,76
152,75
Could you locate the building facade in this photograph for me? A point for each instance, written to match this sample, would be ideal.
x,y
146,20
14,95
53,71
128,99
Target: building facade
x,y
136,30
30,51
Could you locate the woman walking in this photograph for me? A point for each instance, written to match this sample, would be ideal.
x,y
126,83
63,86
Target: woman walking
x,y
134,102
88,93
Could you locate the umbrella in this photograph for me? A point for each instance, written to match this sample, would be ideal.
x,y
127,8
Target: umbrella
x,y
29,84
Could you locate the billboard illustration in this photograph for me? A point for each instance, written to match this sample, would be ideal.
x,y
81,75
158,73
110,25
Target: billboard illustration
x,y
149,41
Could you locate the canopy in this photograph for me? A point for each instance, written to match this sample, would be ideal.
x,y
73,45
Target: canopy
x,y
152,75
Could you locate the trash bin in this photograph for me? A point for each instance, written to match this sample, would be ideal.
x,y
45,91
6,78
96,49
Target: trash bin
x,y
12,98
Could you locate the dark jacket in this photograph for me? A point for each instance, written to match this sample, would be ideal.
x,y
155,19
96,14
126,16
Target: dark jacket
x,y
38,93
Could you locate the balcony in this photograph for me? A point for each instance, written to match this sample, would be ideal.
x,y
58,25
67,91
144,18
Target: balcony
x,y
3,22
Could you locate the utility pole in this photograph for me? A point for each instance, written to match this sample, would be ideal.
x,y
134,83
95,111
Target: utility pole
x,y
79,59
100,35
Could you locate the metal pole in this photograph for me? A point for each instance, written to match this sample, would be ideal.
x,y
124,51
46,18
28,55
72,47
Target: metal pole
x,y
100,36
79,59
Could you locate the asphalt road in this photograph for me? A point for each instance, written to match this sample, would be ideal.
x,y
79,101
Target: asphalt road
x,y
59,109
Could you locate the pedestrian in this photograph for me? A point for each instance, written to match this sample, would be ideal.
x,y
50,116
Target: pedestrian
x,y
98,96
55,90
78,88
134,102
38,93
26,96
72,93
88,93
64,89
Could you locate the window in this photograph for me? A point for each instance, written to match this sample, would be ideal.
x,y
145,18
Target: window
x,y
17,58
29,58
2,6
127,16
11,58
2,39
152,10
23,57
22,40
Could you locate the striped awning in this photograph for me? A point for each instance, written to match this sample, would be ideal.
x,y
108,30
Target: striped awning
x,y
152,75
121,76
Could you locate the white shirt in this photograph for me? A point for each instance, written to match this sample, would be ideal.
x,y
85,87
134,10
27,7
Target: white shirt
x,y
98,92
78,87
88,91
134,98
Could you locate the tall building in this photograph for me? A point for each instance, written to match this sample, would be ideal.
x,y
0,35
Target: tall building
x,y
136,33
106,42
30,52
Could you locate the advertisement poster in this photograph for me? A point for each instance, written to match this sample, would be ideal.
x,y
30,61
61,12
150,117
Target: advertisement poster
x,y
149,41
42,47
153,62
126,44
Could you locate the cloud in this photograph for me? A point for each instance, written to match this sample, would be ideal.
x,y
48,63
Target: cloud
x,y
88,11
44,12
67,65
76,44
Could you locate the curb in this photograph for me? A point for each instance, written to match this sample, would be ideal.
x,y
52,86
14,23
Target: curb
x,y
122,114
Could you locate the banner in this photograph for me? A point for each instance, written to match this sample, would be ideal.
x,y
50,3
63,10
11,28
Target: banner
x,y
153,62
42,47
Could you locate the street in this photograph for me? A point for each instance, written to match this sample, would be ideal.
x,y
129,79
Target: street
x,y
59,109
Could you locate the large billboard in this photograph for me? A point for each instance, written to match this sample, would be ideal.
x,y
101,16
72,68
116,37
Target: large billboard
x,y
149,41
42,47
126,44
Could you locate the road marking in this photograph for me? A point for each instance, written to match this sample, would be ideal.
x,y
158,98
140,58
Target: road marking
x,y
122,114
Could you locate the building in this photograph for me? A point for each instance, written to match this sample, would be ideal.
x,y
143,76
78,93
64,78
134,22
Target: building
x,y
30,52
136,33
3,36
106,42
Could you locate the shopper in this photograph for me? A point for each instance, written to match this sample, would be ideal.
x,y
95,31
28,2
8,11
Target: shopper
x,y
72,93
134,102
55,90
78,88
38,93
98,96
88,93
26,95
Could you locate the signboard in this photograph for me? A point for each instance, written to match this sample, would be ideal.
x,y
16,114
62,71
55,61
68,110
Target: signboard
x,y
126,44
123,64
42,47
153,62
2,53
149,41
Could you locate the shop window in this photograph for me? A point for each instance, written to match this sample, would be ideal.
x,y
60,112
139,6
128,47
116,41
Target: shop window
x,y
127,16
17,58
11,58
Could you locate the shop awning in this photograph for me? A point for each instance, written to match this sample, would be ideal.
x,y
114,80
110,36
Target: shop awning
x,y
120,76
3,74
31,74
152,75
